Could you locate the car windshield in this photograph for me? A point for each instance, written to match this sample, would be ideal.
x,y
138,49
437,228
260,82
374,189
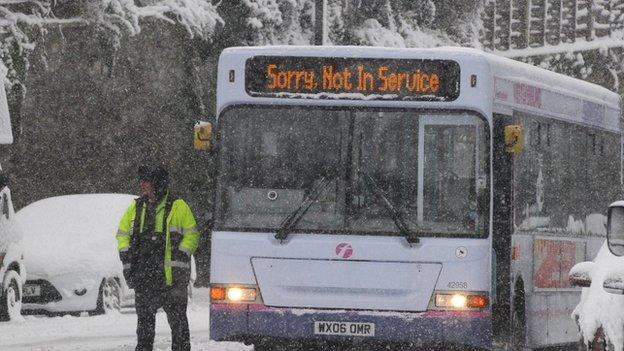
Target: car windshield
x,y
430,167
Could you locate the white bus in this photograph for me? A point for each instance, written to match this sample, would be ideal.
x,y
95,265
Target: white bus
x,y
419,197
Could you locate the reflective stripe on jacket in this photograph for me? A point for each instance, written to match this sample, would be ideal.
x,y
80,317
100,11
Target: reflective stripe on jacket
x,y
181,232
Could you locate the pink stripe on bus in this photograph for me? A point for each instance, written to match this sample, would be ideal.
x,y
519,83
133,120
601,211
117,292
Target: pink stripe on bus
x,y
432,314
228,306
455,314
261,307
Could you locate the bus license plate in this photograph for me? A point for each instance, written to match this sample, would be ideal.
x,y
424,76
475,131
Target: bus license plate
x,y
344,328
32,290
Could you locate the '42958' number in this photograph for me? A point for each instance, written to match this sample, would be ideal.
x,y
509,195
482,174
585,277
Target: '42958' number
x,y
457,285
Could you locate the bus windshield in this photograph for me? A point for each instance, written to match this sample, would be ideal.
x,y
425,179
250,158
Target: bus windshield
x,y
366,167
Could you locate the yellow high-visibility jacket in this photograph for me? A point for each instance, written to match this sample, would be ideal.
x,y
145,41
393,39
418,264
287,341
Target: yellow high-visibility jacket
x,y
181,236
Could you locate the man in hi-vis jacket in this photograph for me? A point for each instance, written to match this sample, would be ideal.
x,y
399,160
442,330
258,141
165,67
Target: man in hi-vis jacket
x,y
157,236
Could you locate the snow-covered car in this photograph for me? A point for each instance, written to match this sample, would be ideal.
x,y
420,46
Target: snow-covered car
x,y
71,251
600,313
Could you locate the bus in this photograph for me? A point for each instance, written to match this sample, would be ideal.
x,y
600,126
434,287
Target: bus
x,y
416,197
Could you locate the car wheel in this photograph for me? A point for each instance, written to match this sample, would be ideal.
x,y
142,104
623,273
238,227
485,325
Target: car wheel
x,y
599,343
11,302
109,297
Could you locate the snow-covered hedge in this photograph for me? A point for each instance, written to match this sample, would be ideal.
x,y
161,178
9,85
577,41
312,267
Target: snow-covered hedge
x,y
22,20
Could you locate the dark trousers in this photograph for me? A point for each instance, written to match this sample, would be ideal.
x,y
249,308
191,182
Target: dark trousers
x,y
147,303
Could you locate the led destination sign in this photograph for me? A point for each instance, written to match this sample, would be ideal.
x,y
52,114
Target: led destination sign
x,y
352,78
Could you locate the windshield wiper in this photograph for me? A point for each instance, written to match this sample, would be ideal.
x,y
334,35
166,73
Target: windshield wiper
x,y
397,216
295,216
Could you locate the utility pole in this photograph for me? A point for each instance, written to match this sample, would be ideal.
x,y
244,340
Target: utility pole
x,y
320,30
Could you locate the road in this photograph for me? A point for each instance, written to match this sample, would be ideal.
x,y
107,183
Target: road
x,y
112,331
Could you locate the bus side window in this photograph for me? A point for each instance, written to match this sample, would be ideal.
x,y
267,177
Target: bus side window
x,y
540,134
535,134
597,144
5,205
547,131
592,142
4,181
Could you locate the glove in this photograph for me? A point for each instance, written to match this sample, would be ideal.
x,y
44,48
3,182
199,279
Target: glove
x,y
129,276
126,259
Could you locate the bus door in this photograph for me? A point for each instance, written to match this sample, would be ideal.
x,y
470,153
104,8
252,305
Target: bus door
x,y
502,228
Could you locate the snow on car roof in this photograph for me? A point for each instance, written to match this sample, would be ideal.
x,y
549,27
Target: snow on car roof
x,y
72,234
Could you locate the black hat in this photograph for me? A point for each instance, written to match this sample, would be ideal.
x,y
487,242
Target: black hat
x,y
144,172
158,176
160,179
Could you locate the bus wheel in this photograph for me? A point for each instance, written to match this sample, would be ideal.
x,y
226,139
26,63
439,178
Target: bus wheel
x,y
599,343
518,326
11,300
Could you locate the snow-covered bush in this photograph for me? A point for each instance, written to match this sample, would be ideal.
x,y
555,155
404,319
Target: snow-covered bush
x,y
24,22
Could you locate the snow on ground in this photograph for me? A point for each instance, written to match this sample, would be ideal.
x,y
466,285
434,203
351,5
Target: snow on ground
x,y
113,331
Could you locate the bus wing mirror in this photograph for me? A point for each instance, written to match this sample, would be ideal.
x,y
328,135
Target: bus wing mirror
x,y
614,283
615,228
202,136
514,139
581,274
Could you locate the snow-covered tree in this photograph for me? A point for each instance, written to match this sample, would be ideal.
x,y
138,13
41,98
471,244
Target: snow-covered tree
x,y
23,22
401,23
396,23
460,20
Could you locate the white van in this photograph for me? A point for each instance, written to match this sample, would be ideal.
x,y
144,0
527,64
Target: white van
x,y
12,269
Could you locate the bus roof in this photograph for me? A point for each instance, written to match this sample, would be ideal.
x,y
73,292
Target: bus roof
x,y
513,84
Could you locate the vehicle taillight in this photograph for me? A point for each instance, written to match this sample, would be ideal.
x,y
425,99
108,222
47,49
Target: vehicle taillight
x,y
217,293
241,294
477,301
460,300
233,294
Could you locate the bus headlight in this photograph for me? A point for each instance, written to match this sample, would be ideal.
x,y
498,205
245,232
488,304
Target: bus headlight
x,y
450,300
233,294
461,300
241,294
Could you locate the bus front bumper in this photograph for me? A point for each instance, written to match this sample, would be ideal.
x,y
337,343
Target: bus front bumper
x,y
245,322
